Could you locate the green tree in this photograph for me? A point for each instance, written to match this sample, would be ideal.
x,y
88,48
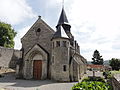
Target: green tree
x,y
97,58
115,63
7,34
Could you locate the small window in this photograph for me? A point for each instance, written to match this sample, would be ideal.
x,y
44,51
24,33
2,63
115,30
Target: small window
x,y
53,45
64,68
64,44
52,59
57,43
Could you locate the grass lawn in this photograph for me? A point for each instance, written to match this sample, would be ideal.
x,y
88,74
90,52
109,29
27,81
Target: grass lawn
x,y
115,72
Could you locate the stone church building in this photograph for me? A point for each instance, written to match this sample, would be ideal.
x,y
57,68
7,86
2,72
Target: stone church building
x,y
47,54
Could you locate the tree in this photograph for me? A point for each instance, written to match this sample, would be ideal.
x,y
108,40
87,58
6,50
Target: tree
x,y
7,34
115,63
97,59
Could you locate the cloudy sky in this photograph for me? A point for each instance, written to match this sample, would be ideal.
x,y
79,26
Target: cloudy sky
x,y
95,23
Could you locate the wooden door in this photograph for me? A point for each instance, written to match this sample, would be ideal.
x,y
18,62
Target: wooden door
x,y
37,69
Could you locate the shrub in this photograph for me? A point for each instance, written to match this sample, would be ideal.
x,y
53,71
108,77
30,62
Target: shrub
x,y
107,74
92,83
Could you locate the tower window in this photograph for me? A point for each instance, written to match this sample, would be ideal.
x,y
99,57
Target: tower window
x,y
57,43
64,68
52,59
64,44
53,45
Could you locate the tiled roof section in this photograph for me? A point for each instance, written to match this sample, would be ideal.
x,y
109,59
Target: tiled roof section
x,y
95,66
60,33
63,18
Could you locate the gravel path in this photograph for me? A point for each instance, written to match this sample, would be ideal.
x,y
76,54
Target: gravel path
x,y
10,83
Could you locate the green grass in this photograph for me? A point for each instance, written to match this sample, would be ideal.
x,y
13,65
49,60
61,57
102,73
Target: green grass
x,y
115,72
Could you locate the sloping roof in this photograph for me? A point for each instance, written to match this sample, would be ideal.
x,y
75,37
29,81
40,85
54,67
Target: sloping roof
x,y
63,18
95,66
60,33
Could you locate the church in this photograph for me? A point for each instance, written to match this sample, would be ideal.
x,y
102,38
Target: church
x,y
49,54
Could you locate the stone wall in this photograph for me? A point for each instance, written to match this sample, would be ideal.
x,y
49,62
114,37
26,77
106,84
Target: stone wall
x,y
60,61
9,57
43,37
116,82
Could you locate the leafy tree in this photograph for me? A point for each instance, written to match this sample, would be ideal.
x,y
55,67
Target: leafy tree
x,y
7,34
115,63
97,58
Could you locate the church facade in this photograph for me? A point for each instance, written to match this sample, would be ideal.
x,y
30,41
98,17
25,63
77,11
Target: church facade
x,y
49,54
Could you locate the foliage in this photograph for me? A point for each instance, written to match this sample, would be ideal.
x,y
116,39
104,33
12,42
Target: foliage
x,y
97,58
107,74
115,63
89,84
7,35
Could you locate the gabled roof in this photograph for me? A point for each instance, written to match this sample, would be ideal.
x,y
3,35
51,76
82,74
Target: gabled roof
x,y
34,25
60,33
63,18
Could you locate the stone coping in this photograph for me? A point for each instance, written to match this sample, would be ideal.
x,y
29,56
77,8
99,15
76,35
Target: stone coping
x,y
117,77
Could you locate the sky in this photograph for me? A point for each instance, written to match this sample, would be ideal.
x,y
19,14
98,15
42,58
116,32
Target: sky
x,y
95,23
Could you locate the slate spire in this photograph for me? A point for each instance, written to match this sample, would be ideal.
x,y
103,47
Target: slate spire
x,y
63,27
63,18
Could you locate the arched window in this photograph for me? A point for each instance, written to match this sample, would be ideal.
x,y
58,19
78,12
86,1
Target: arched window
x,y
53,45
64,68
57,43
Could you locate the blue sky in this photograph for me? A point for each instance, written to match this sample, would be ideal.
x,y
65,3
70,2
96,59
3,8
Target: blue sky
x,y
95,23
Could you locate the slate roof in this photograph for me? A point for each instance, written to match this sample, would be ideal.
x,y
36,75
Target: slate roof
x,y
63,18
60,33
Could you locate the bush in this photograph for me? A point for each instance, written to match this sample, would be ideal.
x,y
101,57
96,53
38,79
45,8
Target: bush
x,y
92,83
107,75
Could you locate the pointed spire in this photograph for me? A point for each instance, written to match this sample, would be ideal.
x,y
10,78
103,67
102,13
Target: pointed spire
x,y
60,33
63,18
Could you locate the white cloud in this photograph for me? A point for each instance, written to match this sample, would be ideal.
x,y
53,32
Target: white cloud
x,y
15,11
95,25
19,35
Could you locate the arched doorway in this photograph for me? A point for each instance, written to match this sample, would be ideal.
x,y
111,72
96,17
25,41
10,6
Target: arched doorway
x,y
35,64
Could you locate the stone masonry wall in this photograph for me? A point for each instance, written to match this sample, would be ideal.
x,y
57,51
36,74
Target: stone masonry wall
x,y
61,58
8,57
43,39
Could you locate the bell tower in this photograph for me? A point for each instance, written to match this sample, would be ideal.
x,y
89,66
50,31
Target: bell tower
x,y
61,50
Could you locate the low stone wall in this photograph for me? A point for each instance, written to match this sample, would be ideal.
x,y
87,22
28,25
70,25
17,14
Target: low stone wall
x,y
9,57
116,82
